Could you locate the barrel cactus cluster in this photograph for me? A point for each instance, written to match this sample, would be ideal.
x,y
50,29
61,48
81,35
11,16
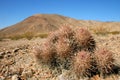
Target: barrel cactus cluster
x,y
74,50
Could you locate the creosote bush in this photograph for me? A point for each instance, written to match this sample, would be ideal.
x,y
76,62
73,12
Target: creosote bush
x,y
74,50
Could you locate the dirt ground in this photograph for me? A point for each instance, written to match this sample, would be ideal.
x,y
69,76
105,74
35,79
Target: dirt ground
x,y
18,63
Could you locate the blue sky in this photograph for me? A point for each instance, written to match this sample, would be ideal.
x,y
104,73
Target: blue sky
x,y
14,11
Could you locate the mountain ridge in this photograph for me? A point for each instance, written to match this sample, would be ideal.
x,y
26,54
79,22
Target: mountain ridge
x,y
43,23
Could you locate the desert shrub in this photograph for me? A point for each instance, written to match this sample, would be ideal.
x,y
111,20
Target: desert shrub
x,y
101,30
82,64
104,59
42,35
28,35
114,32
16,37
1,38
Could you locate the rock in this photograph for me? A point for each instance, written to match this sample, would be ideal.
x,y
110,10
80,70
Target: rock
x,y
2,78
2,55
8,56
15,77
61,77
27,73
119,71
16,50
8,52
67,76
24,47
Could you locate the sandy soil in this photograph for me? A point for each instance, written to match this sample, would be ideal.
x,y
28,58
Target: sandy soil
x,y
18,63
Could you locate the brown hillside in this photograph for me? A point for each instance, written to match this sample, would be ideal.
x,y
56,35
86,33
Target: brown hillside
x,y
42,23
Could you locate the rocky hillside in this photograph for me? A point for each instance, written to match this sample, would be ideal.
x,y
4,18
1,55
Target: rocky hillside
x,y
43,23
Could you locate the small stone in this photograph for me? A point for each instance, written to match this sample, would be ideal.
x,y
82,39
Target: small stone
x,y
8,56
119,72
2,55
61,77
16,50
27,73
15,77
2,78
8,52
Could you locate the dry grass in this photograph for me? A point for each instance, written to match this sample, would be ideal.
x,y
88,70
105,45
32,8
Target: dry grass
x,y
114,32
100,30
27,35
42,35
104,30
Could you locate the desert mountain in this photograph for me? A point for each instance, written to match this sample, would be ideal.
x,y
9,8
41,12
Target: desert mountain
x,y
42,23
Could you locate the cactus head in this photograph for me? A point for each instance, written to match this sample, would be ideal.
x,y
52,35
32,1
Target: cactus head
x,y
53,37
37,50
66,31
63,47
84,39
104,59
82,63
45,53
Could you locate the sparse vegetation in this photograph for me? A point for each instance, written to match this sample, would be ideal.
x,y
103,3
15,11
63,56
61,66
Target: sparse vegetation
x,y
27,35
114,32
1,38
69,53
42,35
103,30
75,50
16,37
100,30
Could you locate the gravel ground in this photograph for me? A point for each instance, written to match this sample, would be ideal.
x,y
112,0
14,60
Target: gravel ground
x,y
18,63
